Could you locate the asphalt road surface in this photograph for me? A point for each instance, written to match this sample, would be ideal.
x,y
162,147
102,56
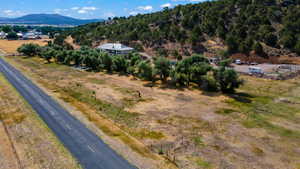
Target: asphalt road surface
x,y
84,145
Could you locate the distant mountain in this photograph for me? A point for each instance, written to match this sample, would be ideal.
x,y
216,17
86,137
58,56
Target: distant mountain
x,y
47,19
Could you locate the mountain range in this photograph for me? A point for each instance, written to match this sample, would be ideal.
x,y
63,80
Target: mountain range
x,y
47,19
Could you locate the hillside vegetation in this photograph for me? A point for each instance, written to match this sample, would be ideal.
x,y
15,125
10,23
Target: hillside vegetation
x,y
243,25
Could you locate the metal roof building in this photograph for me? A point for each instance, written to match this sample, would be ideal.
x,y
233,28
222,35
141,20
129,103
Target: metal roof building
x,y
115,48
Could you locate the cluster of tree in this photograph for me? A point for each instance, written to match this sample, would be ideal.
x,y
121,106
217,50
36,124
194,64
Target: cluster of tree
x,y
193,70
242,24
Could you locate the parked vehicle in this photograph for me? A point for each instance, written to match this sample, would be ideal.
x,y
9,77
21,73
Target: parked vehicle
x,y
238,62
255,70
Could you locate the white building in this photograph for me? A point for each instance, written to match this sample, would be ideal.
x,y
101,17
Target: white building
x,y
115,48
2,35
30,35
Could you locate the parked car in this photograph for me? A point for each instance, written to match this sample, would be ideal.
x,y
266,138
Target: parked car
x,y
238,62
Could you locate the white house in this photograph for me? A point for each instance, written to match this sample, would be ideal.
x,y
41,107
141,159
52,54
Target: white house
x,y
115,48
2,35
20,35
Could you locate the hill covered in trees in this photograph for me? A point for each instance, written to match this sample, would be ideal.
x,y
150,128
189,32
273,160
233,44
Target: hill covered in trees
x,y
242,25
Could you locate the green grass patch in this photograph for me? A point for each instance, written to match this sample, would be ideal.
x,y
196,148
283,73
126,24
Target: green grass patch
x,y
203,164
147,134
261,110
111,111
198,141
225,111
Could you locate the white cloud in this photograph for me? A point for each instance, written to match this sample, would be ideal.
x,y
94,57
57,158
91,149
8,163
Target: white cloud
x,y
89,8
167,5
145,8
133,13
75,8
84,10
11,13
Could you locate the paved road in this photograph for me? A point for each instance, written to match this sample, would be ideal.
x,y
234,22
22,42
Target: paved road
x,y
89,149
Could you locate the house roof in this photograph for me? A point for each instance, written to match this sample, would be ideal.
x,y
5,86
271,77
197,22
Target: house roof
x,y
114,46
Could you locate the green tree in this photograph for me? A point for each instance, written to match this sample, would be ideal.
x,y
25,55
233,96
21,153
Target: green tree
x,y
271,39
106,61
120,64
48,54
12,36
258,48
29,49
232,44
162,67
145,71
227,79
297,47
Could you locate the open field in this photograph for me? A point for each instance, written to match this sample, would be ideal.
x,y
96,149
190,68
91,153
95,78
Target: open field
x,y
25,140
10,46
258,127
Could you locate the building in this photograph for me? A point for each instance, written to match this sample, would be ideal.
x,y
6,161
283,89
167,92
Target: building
x,y
30,35
115,48
2,35
20,35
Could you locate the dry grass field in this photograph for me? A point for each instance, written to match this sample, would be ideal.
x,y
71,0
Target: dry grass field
x,y
25,141
256,128
259,127
11,46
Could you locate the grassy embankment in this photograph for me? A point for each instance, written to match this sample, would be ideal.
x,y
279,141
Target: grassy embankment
x,y
28,133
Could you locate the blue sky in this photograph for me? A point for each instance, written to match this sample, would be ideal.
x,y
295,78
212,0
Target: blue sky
x,y
86,8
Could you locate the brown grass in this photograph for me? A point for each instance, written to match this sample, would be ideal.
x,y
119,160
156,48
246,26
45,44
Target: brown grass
x,y
189,123
11,46
27,142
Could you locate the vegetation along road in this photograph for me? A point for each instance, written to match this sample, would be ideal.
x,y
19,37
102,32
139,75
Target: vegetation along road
x,y
89,149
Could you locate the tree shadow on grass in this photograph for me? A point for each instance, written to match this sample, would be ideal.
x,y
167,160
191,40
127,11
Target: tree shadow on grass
x,y
241,97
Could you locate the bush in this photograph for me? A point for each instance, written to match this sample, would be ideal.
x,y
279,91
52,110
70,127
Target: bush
x,y
29,49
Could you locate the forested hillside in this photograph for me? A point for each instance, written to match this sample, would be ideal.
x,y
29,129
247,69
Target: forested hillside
x,y
241,25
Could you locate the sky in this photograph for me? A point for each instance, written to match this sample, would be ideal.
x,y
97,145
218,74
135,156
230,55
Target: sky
x,y
86,9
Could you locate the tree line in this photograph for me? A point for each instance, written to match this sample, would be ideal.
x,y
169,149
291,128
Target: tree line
x,y
194,70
